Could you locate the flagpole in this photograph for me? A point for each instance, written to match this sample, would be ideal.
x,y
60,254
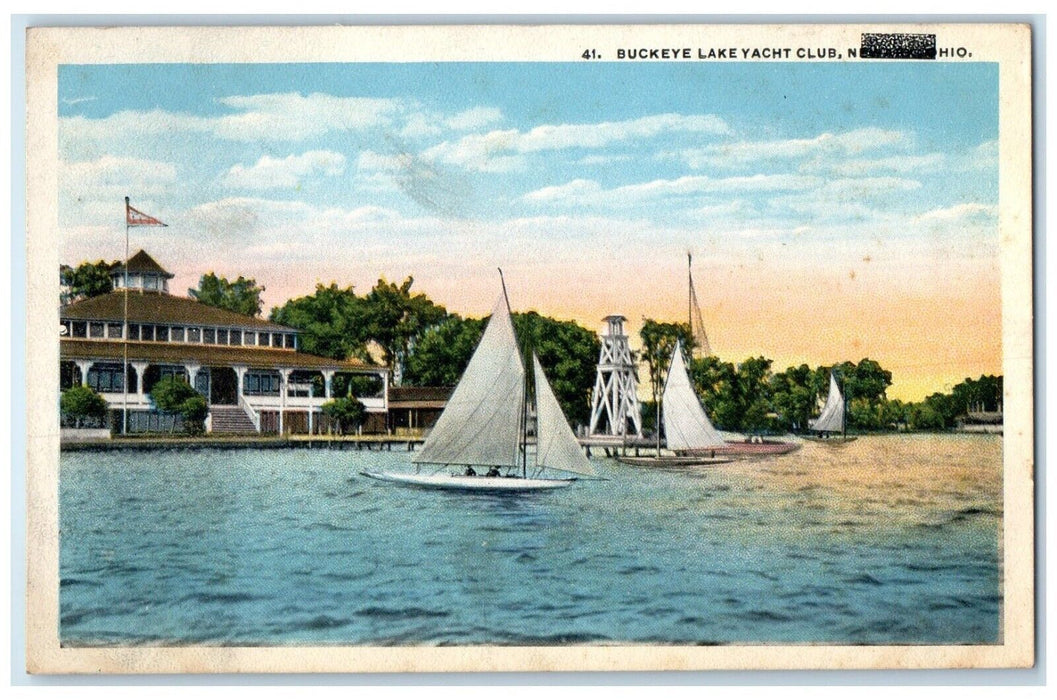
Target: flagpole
x,y
124,335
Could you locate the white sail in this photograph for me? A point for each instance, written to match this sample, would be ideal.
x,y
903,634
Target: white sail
x,y
481,423
686,425
556,446
832,417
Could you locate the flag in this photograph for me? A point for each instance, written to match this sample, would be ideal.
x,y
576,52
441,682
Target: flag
x,y
134,217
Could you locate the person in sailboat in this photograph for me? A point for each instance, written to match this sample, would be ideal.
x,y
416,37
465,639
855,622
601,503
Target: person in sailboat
x,y
470,471
494,471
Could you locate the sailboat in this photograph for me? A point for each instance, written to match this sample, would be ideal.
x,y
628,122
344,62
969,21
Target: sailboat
x,y
484,428
750,446
831,424
686,425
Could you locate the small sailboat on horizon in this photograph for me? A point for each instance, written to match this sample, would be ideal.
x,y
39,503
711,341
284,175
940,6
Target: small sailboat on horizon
x,y
831,426
481,441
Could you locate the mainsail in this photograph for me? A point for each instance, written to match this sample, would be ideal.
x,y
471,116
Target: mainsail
x,y
831,420
686,425
481,423
556,446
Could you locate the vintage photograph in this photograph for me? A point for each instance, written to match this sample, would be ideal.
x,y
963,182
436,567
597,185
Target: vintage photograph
x,y
653,343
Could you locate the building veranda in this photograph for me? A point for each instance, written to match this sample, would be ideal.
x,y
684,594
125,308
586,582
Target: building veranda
x,y
250,371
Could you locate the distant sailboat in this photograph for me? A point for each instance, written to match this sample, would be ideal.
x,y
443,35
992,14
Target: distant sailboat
x,y
831,424
484,426
686,425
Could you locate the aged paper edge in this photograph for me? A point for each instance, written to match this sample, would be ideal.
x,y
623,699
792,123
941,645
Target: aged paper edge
x,y
47,48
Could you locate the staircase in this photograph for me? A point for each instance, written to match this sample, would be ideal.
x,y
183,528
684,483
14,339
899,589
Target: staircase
x,y
231,420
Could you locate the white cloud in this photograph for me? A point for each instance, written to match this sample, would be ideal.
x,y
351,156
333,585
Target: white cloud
x,y
590,193
498,151
288,172
741,153
111,176
474,118
965,213
269,117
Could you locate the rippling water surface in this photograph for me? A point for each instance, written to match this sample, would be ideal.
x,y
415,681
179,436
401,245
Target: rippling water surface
x,y
890,539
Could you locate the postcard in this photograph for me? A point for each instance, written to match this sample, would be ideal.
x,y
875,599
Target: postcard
x,y
529,348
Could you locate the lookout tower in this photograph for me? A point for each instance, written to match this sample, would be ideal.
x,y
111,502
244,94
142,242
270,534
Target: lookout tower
x,y
614,402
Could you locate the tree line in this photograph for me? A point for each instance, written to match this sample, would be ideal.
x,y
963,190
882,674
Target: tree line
x,y
424,344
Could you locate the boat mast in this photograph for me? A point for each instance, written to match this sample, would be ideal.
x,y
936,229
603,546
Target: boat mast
x,y
523,447
844,413
690,294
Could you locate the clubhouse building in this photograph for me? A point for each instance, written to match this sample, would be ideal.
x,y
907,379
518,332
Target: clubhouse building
x,y
251,371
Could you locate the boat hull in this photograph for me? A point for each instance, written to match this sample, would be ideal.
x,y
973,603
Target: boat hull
x,y
673,461
743,448
831,440
491,484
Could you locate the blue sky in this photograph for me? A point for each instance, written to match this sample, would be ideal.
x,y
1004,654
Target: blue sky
x,y
864,181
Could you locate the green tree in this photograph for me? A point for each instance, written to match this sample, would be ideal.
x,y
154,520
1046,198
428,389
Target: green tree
x,y
348,412
568,353
84,281
794,397
332,322
174,395
442,352
242,296
395,318
716,382
81,402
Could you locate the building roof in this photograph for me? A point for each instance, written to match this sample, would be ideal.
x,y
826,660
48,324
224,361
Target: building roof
x,y
419,396
141,262
162,308
205,355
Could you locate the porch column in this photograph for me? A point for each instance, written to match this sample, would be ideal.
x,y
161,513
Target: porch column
x,y
192,374
240,373
84,366
385,401
141,371
328,382
284,382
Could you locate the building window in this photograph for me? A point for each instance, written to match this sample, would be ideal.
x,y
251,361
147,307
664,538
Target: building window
x,y
150,282
222,336
236,337
209,336
277,340
80,329
202,382
133,331
113,330
261,384
177,334
95,329
194,335
146,333
172,371
106,378
262,339
161,334
289,340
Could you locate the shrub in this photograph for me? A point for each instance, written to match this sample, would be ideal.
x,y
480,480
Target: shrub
x,y
348,412
80,402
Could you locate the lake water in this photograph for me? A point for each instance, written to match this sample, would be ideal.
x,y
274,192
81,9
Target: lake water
x,y
889,539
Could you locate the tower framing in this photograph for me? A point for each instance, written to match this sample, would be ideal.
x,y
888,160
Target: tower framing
x,y
614,400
